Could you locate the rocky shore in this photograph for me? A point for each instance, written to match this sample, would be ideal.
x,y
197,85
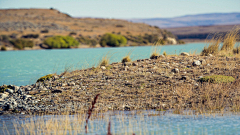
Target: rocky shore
x,y
164,82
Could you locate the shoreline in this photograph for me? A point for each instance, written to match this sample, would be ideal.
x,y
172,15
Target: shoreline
x,y
160,83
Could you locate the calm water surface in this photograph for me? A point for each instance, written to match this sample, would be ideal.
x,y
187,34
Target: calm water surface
x,y
128,123
25,67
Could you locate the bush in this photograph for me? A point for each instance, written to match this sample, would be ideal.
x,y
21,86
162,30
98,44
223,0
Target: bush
x,y
44,31
87,41
126,59
30,36
4,38
113,40
211,49
22,43
46,77
61,42
3,48
217,79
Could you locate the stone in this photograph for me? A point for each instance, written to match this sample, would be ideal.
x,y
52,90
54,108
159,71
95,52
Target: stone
x,y
3,95
196,63
184,54
135,64
175,70
57,91
10,91
203,62
103,67
71,84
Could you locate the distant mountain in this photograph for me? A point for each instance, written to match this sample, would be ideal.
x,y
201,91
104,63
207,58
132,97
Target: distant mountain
x,y
193,20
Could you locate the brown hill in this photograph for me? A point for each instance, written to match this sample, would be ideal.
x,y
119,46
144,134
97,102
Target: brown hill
x,y
50,22
199,33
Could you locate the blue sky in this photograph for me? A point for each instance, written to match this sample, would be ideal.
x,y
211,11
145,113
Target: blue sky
x,y
129,8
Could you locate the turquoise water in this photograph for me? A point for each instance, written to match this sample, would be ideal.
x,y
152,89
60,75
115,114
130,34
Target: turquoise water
x,y
25,67
126,122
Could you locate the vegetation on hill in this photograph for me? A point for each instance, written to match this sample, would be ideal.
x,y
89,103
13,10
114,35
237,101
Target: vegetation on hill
x,y
22,43
113,40
61,42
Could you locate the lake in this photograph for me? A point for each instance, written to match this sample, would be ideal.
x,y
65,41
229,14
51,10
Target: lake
x,y
124,122
25,67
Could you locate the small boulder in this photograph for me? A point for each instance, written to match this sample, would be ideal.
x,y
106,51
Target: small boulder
x,y
175,70
196,63
10,91
184,54
103,67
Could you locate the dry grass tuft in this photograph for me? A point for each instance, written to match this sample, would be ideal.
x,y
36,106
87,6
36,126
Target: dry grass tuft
x,y
126,59
230,39
213,47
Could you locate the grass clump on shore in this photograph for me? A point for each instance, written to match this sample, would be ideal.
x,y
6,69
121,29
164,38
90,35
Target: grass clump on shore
x,y
230,40
126,59
113,40
22,43
213,47
217,79
61,42
46,77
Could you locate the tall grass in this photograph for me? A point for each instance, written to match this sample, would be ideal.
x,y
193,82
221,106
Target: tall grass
x,y
213,47
230,39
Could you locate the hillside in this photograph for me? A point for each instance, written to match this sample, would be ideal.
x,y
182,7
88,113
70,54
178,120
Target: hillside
x,y
193,20
199,33
43,23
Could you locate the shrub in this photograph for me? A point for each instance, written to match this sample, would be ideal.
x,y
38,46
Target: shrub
x,y
3,48
61,42
30,36
119,25
72,33
4,38
126,59
21,43
113,40
236,50
164,53
44,31
46,77
181,42
217,79
212,48
87,40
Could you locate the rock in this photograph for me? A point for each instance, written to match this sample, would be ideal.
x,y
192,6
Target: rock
x,y
184,78
210,55
16,88
184,54
135,64
28,89
3,95
202,61
196,63
71,84
175,70
10,91
57,91
25,97
103,67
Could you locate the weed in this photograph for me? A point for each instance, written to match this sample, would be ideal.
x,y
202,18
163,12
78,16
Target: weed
x,y
230,39
217,79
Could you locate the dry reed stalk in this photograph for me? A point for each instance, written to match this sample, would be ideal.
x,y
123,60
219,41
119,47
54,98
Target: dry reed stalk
x,y
90,110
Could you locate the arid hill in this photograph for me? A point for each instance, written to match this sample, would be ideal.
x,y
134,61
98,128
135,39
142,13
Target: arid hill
x,y
18,23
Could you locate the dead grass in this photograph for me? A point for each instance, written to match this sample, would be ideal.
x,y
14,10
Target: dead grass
x,y
230,39
213,47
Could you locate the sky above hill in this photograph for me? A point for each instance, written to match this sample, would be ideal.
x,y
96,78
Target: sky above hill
x,y
128,8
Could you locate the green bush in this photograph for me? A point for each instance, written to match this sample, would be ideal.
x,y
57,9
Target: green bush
x,y
46,77
87,41
21,43
113,40
217,79
61,42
